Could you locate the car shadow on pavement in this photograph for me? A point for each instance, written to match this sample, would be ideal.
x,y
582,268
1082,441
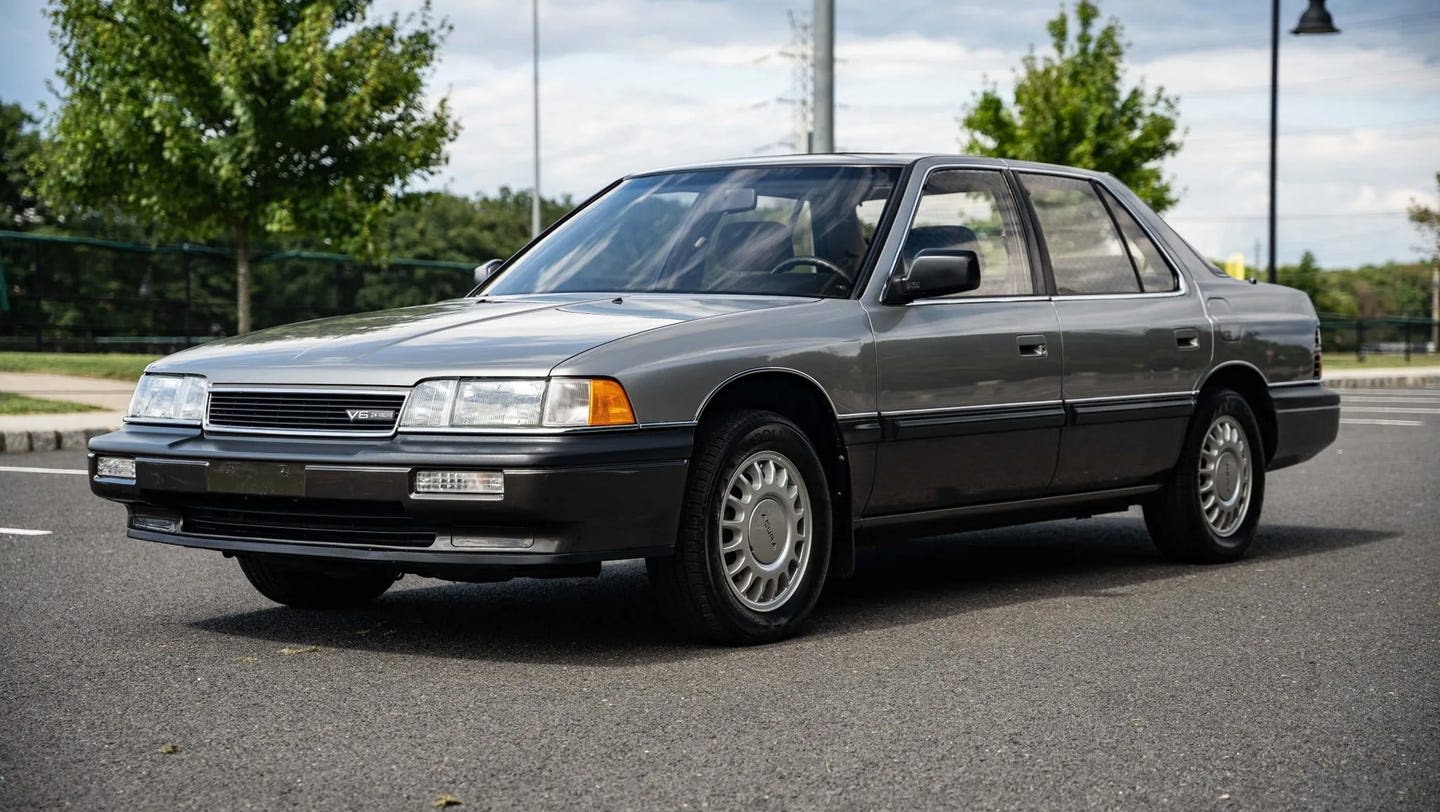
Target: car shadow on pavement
x,y
922,579
611,620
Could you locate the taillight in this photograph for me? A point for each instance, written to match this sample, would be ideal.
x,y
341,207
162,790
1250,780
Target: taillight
x,y
1319,356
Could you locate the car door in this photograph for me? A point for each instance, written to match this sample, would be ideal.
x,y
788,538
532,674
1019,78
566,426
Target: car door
x,y
1136,339
969,384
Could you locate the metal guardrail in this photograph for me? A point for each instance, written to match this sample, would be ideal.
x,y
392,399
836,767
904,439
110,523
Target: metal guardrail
x,y
79,293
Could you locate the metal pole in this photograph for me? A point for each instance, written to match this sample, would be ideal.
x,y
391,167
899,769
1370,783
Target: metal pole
x,y
1274,115
824,99
39,286
1435,304
535,97
189,299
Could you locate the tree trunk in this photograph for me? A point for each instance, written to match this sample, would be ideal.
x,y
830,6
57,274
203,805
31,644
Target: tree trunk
x,y
242,279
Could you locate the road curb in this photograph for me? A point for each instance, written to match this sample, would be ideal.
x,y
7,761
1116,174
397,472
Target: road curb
x,y
1385,381
17,442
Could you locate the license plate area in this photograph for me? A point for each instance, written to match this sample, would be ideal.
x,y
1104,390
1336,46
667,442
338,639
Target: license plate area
x,y
256,478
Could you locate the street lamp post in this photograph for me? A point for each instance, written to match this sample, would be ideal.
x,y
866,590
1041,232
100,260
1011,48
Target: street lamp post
x,y
535,100
1315,20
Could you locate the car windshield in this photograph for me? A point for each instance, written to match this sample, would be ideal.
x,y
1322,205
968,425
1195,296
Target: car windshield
x,y
776,230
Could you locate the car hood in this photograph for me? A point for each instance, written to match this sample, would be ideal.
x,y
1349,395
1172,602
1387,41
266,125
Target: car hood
x,y
520,336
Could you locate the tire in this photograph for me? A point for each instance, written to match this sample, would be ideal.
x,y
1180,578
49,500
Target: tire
x,y
733,578
307,585
1210,506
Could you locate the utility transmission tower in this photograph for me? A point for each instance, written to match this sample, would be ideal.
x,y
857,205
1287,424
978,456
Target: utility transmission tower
x,y
801,55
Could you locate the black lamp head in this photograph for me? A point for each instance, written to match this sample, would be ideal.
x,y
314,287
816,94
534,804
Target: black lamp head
x,y
1316,20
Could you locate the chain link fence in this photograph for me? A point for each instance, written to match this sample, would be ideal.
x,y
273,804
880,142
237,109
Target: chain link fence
x,y
85,295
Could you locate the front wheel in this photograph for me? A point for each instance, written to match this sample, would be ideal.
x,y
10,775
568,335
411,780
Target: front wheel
x,y
754,542
1210,506
306,585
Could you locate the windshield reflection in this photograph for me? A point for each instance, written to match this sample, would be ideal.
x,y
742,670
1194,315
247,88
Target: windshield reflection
x,y
772,230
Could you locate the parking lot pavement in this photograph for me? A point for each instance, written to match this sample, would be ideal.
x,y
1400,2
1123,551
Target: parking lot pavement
x,y
1061,666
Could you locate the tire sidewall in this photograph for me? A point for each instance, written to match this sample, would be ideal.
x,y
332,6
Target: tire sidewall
x,y
1221,404
774,433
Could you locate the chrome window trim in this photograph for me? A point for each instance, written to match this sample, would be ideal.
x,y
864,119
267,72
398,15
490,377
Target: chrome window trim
x,y
998,169
1182,278
945,300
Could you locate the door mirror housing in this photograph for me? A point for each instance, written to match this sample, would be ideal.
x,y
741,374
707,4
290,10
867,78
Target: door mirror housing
x,y
483,272
936,272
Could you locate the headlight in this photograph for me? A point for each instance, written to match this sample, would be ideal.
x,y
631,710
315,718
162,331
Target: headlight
x,y
169,399
477,403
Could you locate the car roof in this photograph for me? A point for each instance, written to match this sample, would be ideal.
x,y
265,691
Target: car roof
x,y
869,159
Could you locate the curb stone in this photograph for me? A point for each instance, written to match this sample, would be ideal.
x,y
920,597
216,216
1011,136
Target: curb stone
x,y
16,442
1386,382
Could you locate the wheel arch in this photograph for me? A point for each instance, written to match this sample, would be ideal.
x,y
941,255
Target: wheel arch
x,y
1249,382
800,398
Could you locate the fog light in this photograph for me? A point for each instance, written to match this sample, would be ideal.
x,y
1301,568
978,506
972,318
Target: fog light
x,y
159,523
483,483
117,467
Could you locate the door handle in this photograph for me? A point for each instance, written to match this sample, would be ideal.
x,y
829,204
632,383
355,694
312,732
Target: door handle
x,y
1187,339
1031,346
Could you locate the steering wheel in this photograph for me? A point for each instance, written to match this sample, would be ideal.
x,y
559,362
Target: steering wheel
x,y
807,259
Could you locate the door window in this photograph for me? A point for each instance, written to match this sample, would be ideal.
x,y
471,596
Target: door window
x,y
1155,274
1086,253
973,210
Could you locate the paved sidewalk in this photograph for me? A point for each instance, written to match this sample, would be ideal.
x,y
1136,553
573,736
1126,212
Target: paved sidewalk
x,y
46,432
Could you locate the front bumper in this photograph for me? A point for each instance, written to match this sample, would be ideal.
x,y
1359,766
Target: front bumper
x,y
569,498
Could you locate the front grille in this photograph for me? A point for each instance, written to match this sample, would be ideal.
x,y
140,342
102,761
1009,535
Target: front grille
x,y
357,523
338,411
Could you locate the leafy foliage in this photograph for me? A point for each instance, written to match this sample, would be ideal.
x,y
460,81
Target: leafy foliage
x,y
1370,291
243,117
1427,220
1069,108
19,143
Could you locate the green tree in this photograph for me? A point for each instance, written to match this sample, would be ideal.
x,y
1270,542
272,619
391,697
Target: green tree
x,y
19,142
1427,220
243,118
440,225
1069,108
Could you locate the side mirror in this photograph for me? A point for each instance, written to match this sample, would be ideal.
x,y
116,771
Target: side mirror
x,y
937,272
485,270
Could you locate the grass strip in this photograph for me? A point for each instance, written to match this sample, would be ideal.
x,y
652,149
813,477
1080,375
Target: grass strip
x,y
11,403
115,366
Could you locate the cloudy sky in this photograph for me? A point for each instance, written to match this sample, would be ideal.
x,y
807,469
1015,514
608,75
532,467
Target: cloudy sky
x,y
634,84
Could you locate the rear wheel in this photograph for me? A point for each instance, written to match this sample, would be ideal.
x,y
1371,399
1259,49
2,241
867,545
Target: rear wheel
x,y
1210,506
754,543
309,585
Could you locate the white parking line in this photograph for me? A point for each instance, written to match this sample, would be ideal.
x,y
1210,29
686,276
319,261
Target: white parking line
x,y
16,531
1387,410
1361,421
18,469
1407,401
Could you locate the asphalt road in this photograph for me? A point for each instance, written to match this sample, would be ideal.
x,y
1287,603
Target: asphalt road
x,y
1062,666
